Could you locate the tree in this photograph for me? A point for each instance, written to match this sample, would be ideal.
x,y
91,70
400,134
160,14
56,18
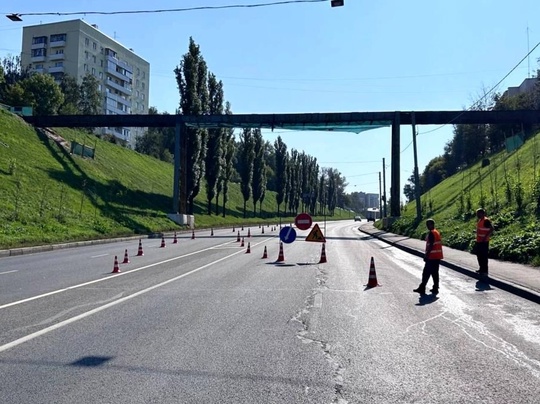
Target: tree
x,y
246,156
42,94
70,89
281,157
191,77
12,73
90,100
214,154
259,169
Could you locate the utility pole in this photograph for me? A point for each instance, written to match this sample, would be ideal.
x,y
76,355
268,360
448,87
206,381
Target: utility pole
x,y
380,197
384,186
416,176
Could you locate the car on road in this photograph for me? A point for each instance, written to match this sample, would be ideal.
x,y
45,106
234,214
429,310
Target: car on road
x,y
358,218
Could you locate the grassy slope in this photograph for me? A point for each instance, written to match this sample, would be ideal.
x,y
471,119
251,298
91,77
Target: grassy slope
x,y
48,195
452,204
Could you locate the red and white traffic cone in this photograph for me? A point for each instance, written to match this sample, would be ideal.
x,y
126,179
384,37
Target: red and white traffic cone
x,y
265,253
116,268
323,255
192,234
211,232
126,258
249,234
140,252
281,256
372,282
162,242
241,245
263,230
175,239
242,227
248,249
233,229
238,237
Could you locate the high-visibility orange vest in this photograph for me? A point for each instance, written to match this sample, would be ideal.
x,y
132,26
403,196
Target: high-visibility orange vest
x,y
482,230
436,252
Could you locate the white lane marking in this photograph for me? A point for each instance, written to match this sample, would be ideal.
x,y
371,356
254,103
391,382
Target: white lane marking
x,y
81,316
100,255
54,292
8,272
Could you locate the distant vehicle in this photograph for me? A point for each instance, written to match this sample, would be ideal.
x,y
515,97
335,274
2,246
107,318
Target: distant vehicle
x,y
372,214
358,218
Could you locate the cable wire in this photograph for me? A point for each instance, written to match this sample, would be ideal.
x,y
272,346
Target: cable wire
x,y
486,94
173,10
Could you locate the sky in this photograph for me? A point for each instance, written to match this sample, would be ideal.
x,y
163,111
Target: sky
x,y
391,55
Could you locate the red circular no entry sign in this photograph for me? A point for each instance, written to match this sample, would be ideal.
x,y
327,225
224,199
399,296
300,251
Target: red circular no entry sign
x,y
303,221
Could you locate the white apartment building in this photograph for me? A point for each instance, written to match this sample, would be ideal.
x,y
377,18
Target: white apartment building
x,y
76,48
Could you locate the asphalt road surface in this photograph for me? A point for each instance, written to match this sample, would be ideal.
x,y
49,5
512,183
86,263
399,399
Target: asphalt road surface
x,y
202,321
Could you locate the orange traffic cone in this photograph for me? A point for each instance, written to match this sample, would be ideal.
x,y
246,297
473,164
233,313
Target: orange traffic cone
x,y
249,233
192,234
126,258
211,232
372,282
248,249
238,237
162,242
241,245
140,251
175,240
281,257
265,253
323,255
116,268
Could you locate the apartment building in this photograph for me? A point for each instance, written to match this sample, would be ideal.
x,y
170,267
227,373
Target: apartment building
x,y
77,48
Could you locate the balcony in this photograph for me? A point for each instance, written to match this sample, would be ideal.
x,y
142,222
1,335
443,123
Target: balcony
x,y
57,44
124,90
117,98
56,69
41,45
118,75
37,59
56,56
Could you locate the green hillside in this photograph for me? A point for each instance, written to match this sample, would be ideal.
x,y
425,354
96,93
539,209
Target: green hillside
x,y
48,195
508,188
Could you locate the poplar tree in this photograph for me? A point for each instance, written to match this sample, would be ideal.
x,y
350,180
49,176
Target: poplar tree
x,y
259,169
228,160
246,156
214,153
191,78
281,170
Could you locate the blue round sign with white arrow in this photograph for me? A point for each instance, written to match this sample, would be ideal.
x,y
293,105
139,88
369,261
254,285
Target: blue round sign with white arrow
x,y
287,234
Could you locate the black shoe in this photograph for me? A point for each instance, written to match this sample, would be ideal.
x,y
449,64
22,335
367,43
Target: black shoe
x,y
434,291
420,290
482,273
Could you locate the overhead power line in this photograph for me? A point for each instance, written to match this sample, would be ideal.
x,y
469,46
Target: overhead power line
x,y
171,10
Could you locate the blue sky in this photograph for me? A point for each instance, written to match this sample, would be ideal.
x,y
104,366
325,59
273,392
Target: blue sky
x,y
366,56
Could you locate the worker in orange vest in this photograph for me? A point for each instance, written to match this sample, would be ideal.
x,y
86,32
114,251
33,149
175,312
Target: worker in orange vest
x,y
432,259
484,230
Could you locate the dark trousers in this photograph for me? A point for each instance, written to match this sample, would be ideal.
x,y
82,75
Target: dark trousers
x,y
431,268
482,249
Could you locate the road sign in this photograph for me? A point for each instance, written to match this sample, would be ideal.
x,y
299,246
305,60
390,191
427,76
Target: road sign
x,y
303,221
316,235
287,234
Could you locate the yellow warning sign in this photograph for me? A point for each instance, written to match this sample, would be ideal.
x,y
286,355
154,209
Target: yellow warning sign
x,y
316,235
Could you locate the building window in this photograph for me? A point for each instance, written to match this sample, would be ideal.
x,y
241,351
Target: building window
x,y
39,66
85,67
143,74
59,64
142,85
60,52
39,39
58,37
100,75
39,52
142,97
94,46
101,63
94,58
86,41
93,71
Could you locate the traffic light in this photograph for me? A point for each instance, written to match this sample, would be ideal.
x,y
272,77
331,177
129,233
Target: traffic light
x,y
337,3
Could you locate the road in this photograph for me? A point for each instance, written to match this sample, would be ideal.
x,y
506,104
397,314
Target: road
x,y
202,321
